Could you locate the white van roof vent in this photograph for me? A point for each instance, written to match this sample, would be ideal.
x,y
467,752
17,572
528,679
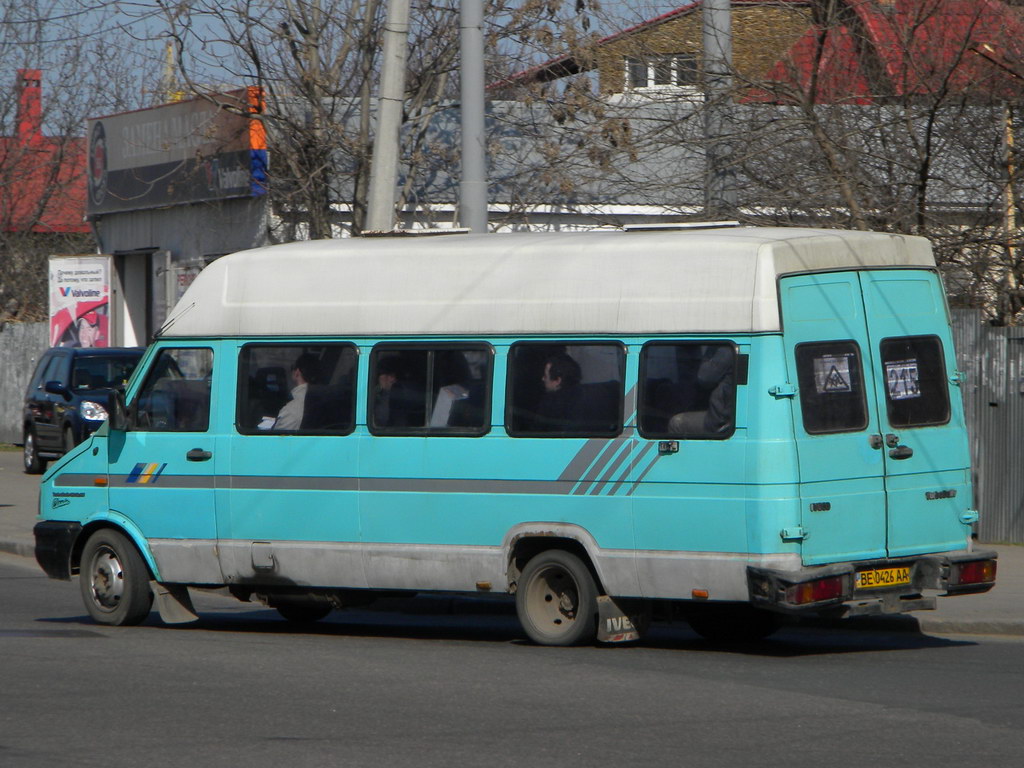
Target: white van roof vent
x,y
670,225
424,232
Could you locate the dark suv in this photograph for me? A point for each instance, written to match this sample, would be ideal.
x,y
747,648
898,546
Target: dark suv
x,y
67,398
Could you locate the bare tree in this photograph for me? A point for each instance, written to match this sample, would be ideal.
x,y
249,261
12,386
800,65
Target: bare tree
x,y
85,69
913,138
316,62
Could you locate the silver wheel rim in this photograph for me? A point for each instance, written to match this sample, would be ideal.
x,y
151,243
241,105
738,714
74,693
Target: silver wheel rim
x,y
30,450
106,579
552,601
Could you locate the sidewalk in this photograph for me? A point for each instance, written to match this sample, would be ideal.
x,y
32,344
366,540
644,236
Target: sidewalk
x,y
998,612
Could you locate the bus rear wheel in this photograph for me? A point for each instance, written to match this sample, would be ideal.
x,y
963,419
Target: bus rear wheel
x,y
556,600
114,580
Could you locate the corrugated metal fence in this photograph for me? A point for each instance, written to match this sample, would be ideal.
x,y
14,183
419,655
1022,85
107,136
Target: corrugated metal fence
x,y
993,359
21,345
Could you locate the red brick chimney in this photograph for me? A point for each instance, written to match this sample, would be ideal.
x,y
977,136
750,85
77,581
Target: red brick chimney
x,y
30,106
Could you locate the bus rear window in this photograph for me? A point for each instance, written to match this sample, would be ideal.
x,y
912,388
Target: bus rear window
x,y
831,382
916,389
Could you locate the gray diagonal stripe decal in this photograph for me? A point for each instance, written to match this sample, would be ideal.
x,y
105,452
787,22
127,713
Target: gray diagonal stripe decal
x,y
610,449
643,474
632,465
623,455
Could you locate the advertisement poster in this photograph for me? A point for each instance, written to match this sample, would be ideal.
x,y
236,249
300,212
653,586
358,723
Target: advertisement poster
x,y
80,301
186,152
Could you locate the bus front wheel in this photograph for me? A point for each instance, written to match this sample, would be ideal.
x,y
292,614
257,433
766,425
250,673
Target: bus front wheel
x,y
556,600
114,580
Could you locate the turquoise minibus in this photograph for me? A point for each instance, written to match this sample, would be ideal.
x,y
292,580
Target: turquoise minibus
x,y
731,425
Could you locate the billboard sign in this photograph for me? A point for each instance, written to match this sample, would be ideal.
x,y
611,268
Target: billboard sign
x,y
80,301
185,152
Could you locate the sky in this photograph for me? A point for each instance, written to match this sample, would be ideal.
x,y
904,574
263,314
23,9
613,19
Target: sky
x,y
136,30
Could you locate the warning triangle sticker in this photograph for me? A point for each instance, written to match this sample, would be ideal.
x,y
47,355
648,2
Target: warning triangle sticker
x,y
834,381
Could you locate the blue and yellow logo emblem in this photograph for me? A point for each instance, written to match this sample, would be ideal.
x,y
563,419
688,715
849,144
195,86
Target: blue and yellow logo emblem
x,y
145,473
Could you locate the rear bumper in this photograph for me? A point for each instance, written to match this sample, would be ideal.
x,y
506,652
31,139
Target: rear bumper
x,y
833,589
55,541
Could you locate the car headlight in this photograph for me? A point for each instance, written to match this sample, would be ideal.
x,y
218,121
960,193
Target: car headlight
x,y
93,411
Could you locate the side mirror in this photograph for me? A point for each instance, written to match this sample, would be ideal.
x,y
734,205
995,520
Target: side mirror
x,y
56,388
117,412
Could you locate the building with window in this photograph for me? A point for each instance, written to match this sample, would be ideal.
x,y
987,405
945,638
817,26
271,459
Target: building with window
x,y
663,55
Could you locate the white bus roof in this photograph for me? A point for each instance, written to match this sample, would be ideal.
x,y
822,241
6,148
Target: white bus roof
x,y
618,283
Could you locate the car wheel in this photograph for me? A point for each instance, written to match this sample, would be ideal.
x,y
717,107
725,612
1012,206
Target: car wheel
x,y
114,580
69,439
33,464
556,600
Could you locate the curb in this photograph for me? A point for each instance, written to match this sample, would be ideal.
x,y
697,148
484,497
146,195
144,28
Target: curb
x,y
18,548
1008,627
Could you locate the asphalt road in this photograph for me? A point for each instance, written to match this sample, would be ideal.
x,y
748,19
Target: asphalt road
x,y
244,688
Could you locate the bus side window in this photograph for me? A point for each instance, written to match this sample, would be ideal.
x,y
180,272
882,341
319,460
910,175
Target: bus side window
x,y
687,390
435,390
565,390
296,389
176,394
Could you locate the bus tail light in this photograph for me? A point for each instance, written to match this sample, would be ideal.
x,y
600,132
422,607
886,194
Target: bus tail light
x,y
817,591
974,572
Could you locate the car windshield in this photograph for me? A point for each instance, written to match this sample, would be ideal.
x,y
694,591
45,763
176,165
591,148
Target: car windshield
x,y
102,372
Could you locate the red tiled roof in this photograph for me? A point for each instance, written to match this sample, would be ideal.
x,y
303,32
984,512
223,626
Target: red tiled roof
x,y
42,179
904,48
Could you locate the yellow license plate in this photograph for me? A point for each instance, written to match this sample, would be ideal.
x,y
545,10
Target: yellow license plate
x,y
883,577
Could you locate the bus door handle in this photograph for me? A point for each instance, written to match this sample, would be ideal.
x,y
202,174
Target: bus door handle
x,y
198,454
901,452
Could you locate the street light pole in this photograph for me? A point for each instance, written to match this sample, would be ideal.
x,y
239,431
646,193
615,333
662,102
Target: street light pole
x,y
473,186
720,177
380,215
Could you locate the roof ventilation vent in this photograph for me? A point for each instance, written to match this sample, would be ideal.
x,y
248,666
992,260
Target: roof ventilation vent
x,y
669,225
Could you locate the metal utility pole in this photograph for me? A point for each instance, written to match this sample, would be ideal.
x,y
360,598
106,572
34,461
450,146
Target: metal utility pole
x,y
719,127
473,187
380,215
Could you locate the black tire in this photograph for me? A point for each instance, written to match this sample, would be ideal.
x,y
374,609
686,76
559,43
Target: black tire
x,y
732,623
302,610
556,600
68,439
114,580
33,464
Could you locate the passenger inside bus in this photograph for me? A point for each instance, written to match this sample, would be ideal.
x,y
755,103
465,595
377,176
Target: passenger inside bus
x,y
303,374
714,396
396,402
559,404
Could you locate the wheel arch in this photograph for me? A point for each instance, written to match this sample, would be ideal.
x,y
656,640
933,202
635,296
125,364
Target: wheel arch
x,y
527,540
126,528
